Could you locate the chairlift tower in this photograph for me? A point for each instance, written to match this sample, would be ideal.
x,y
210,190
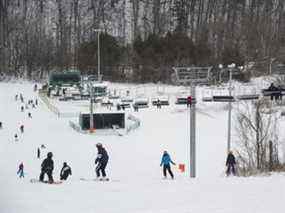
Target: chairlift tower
x,y
192,76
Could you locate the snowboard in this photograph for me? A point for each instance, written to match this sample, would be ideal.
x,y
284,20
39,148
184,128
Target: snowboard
x,y
33,180
98,180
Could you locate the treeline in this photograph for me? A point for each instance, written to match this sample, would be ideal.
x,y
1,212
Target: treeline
x,y
143,37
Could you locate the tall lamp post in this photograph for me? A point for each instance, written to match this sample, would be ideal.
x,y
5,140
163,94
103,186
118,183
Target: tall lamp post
x,y
91,107
98,49
231,66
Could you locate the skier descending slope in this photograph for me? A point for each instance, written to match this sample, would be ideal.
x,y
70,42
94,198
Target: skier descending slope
x,y
101,161
47,168
165,162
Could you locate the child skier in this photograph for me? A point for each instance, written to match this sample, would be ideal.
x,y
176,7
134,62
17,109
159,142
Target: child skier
x,y
20,171
65,171
165,162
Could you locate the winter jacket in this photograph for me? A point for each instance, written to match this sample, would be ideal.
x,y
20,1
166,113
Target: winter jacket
x,y
230,159
102,156
65,171
47,165
166,160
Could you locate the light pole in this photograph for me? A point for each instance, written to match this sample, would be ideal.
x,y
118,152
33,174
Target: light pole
x,y
193,132
91,107
270,65
98,49
231,66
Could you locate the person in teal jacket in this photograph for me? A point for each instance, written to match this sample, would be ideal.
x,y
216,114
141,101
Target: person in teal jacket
x,y
165,162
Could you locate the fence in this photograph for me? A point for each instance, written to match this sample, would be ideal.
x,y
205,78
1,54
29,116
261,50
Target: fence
x,y
55,110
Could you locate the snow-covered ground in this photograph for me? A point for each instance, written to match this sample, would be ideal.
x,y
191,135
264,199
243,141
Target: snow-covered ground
x,y
136,184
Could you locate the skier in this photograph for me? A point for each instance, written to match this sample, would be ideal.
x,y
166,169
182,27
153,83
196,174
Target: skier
x,y
21,98
35,87
36,102
38,153
65,171
16,97
165,162
22,108
47,168
30,115
101,160
0,125
16,137
20,171
22,128
158,104
230,163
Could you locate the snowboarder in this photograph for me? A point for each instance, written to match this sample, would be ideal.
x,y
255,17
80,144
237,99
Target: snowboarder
x,y
20,171
38,153
165,162
65,171
230,163
22,128
47,168
101,160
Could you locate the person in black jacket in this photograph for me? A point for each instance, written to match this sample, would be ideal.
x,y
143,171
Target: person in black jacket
x,y
101,160
47,168
65,171
231,162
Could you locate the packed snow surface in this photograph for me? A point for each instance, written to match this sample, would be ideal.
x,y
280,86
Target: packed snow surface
x,y
136,184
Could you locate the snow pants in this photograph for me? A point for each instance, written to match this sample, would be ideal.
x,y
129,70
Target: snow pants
x,y
101,168
49,174
231,169
167,168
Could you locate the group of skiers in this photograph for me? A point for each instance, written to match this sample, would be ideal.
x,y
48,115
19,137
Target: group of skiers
x,y
101,162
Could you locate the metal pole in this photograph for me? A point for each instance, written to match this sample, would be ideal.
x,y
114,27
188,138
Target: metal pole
x,y
193,133
91,107
99,75
230,112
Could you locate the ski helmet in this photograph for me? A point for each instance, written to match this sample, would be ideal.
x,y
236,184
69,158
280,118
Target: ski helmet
x,y
49,155
98,145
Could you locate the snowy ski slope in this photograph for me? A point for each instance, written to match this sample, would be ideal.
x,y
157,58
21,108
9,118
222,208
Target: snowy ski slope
x,y
138,186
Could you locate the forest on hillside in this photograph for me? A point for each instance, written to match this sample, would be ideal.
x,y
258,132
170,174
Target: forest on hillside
x,y
146,37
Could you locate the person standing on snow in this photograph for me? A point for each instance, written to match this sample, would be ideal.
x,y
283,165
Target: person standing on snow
x,y
38,153
230,163
47,168
65,171
22,128
101,161
165,162
20,171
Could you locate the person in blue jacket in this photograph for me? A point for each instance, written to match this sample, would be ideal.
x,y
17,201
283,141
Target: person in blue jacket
x,y
165,162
